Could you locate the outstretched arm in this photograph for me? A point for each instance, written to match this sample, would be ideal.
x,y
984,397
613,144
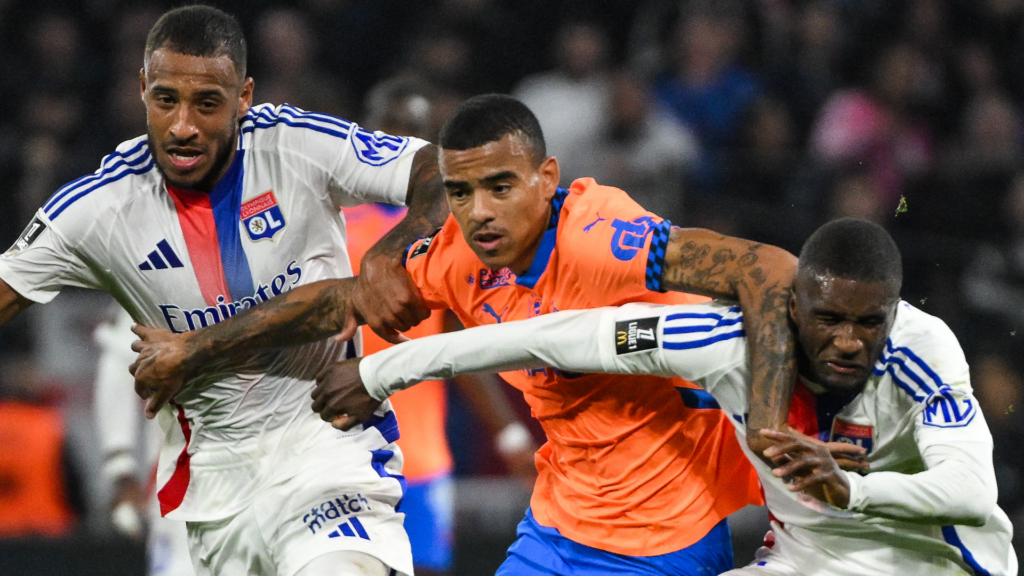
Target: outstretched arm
x,y
385,297
302,315
760,278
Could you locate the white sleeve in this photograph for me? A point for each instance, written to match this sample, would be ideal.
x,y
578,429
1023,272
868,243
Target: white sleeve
x,y
360,166
116,409
622,340
568,340
43,261
959,484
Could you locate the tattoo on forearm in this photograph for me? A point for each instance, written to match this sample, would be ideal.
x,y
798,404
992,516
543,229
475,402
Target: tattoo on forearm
x,y
745,272
773,359
306,314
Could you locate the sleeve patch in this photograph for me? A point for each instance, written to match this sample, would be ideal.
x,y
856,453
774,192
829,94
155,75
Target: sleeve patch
x,y
421,246
32,231
636,335
377,148
949,408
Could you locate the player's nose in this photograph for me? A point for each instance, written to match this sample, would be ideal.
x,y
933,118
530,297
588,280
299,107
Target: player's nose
x,y
183,127
481,208
847,342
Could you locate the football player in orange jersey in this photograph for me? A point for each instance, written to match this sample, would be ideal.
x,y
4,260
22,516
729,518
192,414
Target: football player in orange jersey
x,y
638,473
428,501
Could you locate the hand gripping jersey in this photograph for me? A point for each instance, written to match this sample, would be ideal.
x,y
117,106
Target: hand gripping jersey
x,y
926,507
421,409
181,260
631,465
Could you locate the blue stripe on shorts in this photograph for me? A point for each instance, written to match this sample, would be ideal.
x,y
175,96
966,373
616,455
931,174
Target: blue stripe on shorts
x,y
539,550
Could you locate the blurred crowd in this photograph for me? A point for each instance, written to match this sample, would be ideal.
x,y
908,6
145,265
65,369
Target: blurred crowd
x,y
758,118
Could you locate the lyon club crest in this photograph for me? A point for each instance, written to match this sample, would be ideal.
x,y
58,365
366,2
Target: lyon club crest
x,y
262,217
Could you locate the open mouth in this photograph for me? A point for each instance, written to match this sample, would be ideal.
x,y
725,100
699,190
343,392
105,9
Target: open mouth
x,y
487,240
184,159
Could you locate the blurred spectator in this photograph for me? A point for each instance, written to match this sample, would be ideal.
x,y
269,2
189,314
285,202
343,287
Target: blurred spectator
x,y
994,282
877,127
59,145
573,101
854,194
125,116
40,492
286,71
362,42
643,149
807,69
707,88
59,58
438,61
766,157
493,33
400,106
999,386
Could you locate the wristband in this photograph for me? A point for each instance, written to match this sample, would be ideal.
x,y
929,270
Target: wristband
x,y
513,438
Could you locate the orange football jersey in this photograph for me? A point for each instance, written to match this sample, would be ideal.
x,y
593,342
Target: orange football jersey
x,y
628,467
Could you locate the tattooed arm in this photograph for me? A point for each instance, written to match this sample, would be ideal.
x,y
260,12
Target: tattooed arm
x,y
385,297
760,277
305,314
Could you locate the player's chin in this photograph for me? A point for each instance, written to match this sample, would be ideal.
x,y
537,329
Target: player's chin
x,y
180,179
495,259
843,383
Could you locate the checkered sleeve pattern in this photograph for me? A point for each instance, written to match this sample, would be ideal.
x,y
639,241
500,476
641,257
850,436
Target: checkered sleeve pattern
x,y
656,256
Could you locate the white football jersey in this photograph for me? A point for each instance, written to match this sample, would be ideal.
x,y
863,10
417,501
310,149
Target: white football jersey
x,y
926,507
181,260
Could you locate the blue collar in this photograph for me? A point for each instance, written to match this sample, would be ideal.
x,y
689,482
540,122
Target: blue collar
x,y
547,243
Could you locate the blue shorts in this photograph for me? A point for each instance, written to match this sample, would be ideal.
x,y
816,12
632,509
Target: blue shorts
x,y
541,550
429,510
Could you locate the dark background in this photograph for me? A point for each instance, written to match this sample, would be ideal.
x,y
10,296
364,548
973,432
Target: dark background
x,y
761,119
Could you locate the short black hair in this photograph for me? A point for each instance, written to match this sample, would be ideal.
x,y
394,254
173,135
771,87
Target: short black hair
x,y
199,30
489,118
853,249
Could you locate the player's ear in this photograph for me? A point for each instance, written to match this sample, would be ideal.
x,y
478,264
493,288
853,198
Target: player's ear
x,y
142,83
550,174
245,97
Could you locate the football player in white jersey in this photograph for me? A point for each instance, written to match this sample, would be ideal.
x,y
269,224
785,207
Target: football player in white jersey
x,y
875,372
222,206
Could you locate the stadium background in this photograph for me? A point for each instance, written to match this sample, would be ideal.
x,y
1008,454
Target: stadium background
x,y
761,118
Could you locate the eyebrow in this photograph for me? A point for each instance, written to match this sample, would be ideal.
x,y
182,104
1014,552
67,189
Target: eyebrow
x,y
505,175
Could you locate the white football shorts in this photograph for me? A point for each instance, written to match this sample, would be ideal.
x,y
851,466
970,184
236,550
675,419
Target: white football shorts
x,y
341,501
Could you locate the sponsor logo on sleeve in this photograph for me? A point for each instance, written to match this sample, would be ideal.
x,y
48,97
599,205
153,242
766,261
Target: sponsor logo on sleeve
x,y
377,148
949,408
629,237
850,433
32,231
636,335
262,217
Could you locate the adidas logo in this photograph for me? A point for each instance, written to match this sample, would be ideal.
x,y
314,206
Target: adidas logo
x,y
157,262
345,530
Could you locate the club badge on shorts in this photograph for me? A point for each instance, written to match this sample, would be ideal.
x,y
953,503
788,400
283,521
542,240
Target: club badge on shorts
x,y
262,217
850,433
